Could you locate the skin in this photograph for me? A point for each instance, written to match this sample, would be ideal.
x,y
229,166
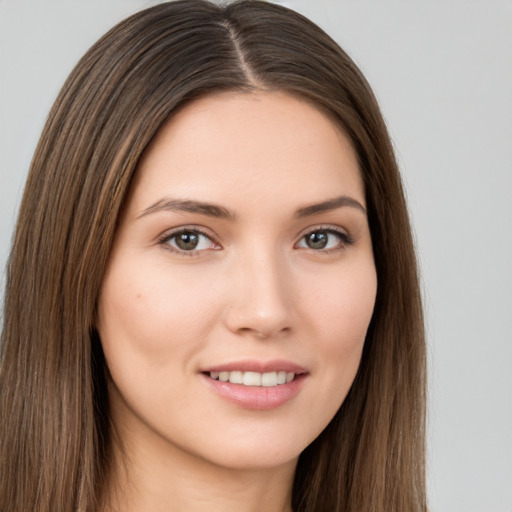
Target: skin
x,y
254,289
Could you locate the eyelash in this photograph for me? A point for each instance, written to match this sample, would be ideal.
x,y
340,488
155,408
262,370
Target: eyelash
x,y
164,240
345,240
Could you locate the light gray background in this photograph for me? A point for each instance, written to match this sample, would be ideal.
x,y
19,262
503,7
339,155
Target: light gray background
x,y
442,71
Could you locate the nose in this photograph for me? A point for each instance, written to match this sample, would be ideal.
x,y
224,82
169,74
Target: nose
x,y
261,304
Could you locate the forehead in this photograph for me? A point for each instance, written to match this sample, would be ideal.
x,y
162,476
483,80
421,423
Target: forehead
x,y
241,148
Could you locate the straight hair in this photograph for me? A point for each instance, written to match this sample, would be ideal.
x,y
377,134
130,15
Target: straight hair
x,y
55,436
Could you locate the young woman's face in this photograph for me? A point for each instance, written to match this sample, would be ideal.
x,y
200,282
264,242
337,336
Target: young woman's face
x,y
241,283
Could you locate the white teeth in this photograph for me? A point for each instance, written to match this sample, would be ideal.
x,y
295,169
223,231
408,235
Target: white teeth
x,y
268,379
252,379
236,377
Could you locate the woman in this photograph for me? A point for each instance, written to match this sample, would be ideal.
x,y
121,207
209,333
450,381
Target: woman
x,y
212,297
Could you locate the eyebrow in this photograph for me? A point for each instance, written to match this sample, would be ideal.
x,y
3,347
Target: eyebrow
x,y
329,205
213,210
188,205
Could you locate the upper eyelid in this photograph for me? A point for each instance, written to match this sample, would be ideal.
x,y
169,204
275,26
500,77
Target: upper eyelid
x,y
323,227
169,233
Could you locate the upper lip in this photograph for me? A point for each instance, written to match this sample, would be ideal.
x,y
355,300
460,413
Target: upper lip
x,y
257,366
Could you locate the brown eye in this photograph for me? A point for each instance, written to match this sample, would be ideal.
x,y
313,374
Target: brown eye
x,y
188,240
317,240
324,240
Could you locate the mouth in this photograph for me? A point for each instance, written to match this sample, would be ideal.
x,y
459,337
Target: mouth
x,y
254,379
257,386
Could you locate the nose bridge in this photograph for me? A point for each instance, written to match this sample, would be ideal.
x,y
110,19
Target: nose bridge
x,y
261,301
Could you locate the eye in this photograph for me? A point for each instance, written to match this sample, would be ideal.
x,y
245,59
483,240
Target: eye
x,y
188,240
324,240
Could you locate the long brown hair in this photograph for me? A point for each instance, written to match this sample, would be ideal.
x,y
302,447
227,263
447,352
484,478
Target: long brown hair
x,y
54,436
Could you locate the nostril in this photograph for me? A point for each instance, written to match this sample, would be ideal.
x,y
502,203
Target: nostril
x,y
252,332
263,335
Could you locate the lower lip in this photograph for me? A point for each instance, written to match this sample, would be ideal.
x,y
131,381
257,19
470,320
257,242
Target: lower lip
x,y
258,398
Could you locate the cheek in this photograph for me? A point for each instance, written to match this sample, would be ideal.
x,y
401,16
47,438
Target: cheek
x,y
342,311
152,316
343,306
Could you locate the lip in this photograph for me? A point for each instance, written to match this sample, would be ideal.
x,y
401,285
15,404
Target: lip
x,y
277,365
258,398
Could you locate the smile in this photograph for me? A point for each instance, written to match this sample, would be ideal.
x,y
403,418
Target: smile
x,y
256,385
267,379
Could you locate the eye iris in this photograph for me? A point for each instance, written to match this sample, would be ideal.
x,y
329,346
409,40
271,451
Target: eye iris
x,y
187,241
317,240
